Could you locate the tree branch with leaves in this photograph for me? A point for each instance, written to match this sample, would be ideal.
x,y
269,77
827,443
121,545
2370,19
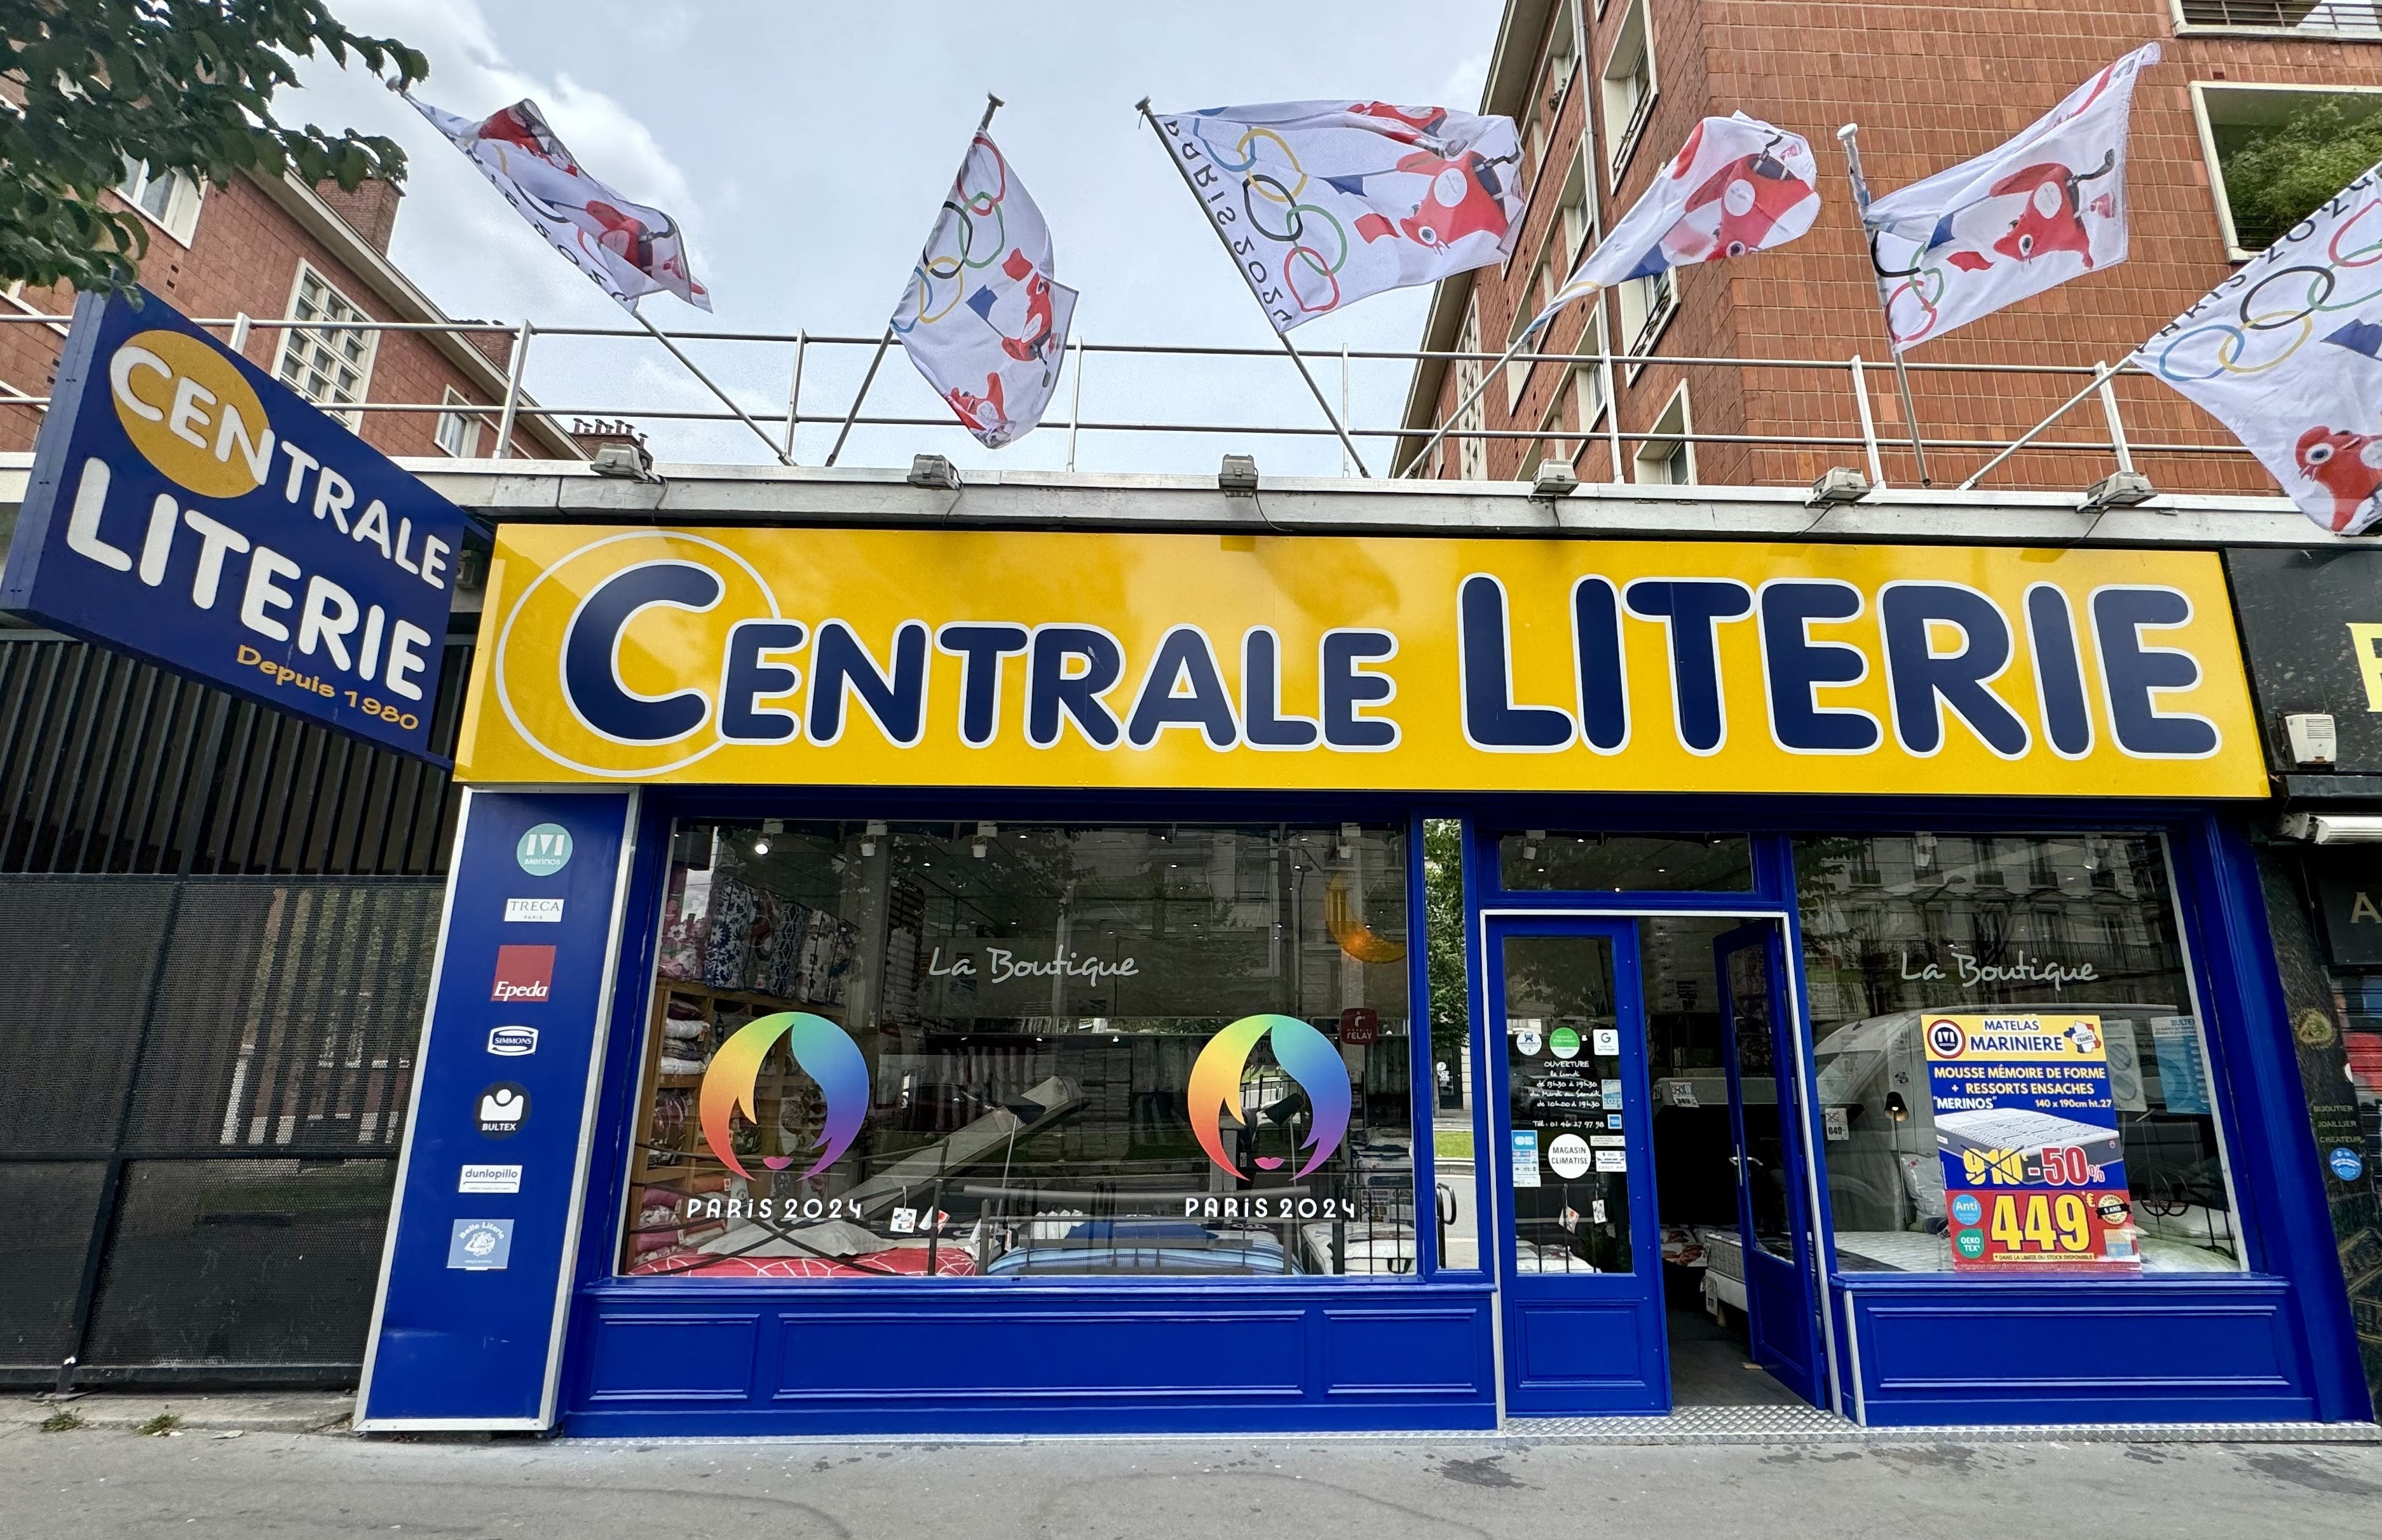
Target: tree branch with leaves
x,y
92,88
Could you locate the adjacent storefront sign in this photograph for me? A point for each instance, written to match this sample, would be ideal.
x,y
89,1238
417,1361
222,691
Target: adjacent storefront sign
x,y
2312,624
783,656
2349,895
2035,1173
187,508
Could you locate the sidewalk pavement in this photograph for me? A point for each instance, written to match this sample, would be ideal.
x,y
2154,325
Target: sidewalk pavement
x,y
204,1486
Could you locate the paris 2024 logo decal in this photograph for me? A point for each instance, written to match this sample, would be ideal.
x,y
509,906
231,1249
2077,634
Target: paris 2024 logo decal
x,y
1305,1054
823,1051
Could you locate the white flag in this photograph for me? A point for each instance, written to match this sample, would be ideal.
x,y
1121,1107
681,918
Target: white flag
x,y
1738,185
630,250
983,319
2288,353
2045,207
1326,202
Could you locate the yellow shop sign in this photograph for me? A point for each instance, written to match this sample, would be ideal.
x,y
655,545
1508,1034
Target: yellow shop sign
x,y
998,659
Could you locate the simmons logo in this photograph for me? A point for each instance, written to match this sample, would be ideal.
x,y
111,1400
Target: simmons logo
x,y
512,1042
821,1048
1304,1053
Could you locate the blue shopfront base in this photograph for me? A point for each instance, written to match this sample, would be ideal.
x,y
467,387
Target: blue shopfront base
x,y
696,1359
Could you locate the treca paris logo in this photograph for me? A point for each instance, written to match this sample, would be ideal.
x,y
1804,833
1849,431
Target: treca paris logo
x,y
1304,1053
820,1049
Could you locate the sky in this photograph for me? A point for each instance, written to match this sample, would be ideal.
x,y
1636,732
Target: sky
x,y
806,150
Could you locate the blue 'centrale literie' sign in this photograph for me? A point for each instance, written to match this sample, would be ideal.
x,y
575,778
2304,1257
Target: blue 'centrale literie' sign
x,y
187,508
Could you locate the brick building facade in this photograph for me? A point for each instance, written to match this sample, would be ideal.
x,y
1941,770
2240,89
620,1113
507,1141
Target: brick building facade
x,y
273,249
1930,85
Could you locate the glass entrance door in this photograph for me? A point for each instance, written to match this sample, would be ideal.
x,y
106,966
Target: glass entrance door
x,y
1765,1099
1578,1237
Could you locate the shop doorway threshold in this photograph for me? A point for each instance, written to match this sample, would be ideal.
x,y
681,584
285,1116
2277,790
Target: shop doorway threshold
x,y
1808,1425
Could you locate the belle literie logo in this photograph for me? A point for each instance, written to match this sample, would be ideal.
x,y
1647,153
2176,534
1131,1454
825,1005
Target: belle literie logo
x,y
821,1048
544,850
1304,1053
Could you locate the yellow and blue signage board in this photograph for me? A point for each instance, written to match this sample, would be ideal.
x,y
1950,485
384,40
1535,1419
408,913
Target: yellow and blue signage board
x,y
1061,659
187,508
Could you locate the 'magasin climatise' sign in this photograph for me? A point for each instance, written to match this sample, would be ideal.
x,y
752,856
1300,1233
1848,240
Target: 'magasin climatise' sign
x,y
999,659
187,508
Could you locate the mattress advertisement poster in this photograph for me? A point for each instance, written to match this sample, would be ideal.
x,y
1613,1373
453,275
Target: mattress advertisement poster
x,y
2035,1173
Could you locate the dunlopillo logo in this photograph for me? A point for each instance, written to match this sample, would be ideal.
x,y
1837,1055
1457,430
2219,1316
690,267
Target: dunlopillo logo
x,y
1304,1053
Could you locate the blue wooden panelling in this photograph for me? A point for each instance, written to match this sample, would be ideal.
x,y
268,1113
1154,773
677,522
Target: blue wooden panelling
x,y
648,1356
2084,1350
989,1358
1415,1352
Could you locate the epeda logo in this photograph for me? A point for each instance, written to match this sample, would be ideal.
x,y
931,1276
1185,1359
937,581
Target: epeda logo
x,y
523,973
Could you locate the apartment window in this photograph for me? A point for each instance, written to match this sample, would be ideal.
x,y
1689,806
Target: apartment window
x,y
1668,459
171,200
1646,308
2326,18
1574,223
1471,454
1629,87
2275,152
1589,382
1543,449
331,365
1527,305
458,431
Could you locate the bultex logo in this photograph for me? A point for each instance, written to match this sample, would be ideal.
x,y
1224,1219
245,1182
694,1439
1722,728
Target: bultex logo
x,y
523,973
824,1052
1304,1053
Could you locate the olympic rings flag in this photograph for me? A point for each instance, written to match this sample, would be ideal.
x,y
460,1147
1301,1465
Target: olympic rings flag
x,y
1737,185
1326,202
983,318
630,250
2029,214
2288,353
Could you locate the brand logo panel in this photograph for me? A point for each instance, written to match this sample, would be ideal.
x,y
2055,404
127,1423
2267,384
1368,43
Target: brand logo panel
x,y
1041,658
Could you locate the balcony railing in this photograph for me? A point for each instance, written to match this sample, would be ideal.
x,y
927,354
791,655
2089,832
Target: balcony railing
x,y
2329,18
1839,410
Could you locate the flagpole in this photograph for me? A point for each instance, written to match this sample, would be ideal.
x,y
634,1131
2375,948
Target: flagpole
x,y
1849,137
991,104
1317,390
742,415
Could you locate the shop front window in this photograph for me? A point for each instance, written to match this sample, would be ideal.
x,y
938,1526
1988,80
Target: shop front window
x,y
2011,1074
946,1050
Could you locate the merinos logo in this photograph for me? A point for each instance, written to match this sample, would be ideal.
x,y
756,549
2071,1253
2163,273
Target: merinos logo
x,y
823,1051
1305,1054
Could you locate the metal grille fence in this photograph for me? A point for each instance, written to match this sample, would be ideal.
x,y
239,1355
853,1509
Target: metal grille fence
x,y
218,926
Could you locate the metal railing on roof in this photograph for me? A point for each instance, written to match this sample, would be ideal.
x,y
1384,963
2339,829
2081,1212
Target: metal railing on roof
x,y
2314,18
1826,392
